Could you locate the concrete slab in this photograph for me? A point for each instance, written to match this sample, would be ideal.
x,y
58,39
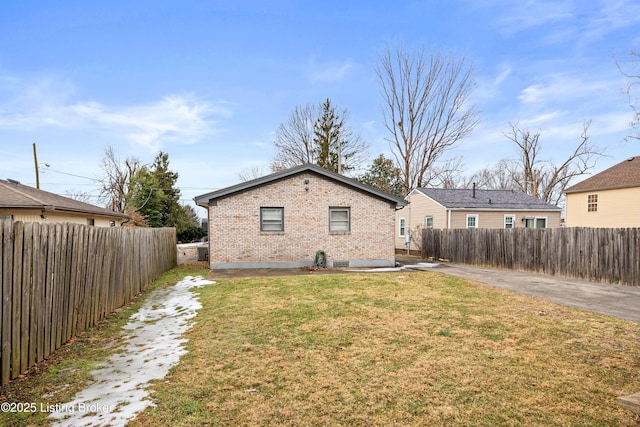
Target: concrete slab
x,y
618,301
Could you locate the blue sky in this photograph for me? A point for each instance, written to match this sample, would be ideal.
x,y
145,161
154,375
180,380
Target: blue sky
x,y
209,81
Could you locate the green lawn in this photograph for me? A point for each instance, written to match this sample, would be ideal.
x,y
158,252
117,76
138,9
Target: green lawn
x,y
395,348
408,348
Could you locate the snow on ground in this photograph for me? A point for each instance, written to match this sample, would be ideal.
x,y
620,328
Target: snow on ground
x,y
417,266
153,344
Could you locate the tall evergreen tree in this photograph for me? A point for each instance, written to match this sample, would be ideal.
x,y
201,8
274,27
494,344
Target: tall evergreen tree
x,y
145,197
328,140
167,179
384,175
317,134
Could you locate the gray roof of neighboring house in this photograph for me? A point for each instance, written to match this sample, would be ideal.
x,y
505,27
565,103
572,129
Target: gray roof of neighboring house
x,y
485,199
624,174
14,195
205,199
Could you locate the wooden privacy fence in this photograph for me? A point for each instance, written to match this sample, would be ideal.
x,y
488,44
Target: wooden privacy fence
x,y
59,279
609,255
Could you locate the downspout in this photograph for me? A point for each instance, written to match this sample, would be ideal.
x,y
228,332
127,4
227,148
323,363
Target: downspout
x,y
448,218
408,232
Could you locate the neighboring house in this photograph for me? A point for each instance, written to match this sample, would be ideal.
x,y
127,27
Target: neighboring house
x,y
471,208
608,199
20,202
284,219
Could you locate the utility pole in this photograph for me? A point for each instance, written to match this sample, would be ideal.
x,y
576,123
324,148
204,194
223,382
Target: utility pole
x,y
35,160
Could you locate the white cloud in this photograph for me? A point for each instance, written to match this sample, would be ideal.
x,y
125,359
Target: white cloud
x,y
504,74
561,87
330,72
520,16
178,118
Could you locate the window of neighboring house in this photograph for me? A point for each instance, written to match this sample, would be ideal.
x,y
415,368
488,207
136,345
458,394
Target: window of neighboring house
x,y
592,203
112,223
271,219
91,222
339,219
472,221
6,217
401,230
535,222
509,221
428,221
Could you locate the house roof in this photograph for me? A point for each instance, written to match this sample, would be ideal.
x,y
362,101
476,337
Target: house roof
x,y
14,195
624,174
463,199
205,199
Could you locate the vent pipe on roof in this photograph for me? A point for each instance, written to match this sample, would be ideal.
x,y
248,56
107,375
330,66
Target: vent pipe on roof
x,y
474,190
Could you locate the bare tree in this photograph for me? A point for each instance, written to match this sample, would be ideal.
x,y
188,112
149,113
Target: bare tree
x,y
633,79
425,108
447,174
546,179
117,179
500,177
318,134
294,138
253,173
81,196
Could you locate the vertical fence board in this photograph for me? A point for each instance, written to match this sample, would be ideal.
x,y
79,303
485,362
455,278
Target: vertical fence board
x,y
16,295
7,286
59,279
596,254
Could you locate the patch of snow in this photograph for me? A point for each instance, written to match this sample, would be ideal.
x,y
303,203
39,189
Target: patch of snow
x,y
153,344
418,266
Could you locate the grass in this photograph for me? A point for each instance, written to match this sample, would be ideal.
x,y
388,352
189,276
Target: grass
x,y
415,348
67,371
395,349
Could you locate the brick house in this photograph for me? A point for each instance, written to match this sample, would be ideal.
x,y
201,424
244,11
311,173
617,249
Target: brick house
x,y
609,199
284,219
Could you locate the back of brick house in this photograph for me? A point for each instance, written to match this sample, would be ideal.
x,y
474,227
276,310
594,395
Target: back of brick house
x,y
284,219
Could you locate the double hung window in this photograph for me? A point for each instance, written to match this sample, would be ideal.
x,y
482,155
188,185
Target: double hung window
x,y
272,219
339,219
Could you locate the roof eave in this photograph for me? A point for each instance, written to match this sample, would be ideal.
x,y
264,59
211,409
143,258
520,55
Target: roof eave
x,y
206,199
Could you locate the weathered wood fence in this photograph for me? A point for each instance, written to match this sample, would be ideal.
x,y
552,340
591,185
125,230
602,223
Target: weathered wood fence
x,y
609,255
59,279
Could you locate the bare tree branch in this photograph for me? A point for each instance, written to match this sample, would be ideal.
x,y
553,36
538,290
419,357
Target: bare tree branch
x,y
545,179
299,139
629,90
117,179
425,108
294,138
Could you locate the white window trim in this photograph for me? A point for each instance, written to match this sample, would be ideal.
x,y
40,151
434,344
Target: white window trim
x,y
535,221
472,216
513,220
596,203
546,221
425,221
402,231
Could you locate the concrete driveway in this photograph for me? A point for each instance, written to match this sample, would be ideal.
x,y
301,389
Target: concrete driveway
x,y
618,301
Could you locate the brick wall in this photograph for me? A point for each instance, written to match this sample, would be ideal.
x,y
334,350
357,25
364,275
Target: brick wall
x,y
236,240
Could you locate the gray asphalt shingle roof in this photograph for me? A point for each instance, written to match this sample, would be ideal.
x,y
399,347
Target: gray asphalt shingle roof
x,y
485,199
19,196
204,199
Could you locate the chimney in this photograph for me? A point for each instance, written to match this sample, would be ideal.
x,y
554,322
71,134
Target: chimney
x,y
474,190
